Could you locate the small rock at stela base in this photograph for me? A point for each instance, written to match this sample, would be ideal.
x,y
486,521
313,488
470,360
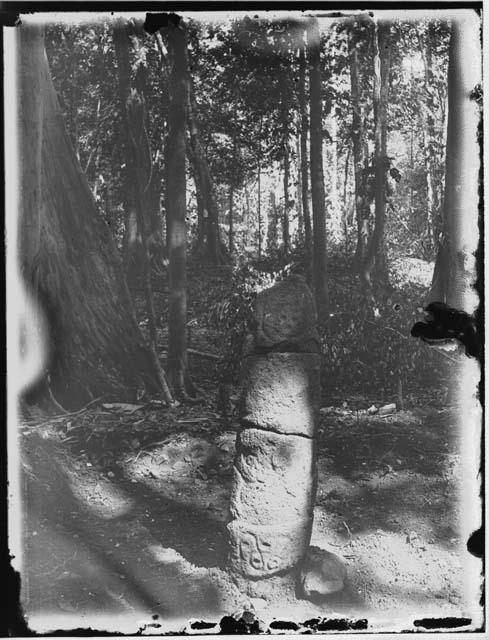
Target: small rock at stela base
x,y
321,573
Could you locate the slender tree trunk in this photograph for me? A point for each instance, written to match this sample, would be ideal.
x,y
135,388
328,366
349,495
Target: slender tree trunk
x,y
231,217
345,216
259,198
246,217
215,249
319,277
430,139
201,211
94,341
298,193
176,211
132,234
285,151
233,180
138,161
376,252
304,170
201,226
285,215
454,270
360,157
272,225
334,208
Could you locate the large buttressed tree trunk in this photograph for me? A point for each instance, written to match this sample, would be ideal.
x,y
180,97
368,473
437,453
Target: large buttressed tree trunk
x,y
319,263
453,274
68,256
376,251
176,208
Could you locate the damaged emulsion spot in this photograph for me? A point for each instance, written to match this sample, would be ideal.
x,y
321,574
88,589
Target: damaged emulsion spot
x,y
444,324
442,623
477,94
156,21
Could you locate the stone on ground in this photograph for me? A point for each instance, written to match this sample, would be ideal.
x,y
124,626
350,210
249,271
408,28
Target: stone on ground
x,y
321,573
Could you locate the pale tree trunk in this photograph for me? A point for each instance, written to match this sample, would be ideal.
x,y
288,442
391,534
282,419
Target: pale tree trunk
x,y
376,252
345,215
272,225
430,139
232,185
246,217
360,157
259,199
176,211
298,192
285,149
333,195
285,214
454,268
304,169
201,213
231,219
320,272
94,342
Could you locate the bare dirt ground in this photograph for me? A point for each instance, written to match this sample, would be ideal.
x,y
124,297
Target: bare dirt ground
x,y
124,517
123,510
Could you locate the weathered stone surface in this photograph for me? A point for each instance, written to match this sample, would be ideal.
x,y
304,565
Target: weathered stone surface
x,y
274,484
275,477
281,392
286,318
321,573
261,551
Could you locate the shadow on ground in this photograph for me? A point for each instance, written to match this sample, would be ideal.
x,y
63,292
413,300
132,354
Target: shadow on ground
x,y
97,537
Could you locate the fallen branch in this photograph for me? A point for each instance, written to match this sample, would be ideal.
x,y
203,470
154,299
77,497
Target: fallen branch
x,y
57,418
204,354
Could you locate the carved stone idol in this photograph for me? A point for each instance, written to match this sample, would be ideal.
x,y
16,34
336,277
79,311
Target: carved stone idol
x,y
274,482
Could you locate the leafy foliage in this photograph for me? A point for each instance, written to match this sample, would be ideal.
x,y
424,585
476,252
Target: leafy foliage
x,y
232,315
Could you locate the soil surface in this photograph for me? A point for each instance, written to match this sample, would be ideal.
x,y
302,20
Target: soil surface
x,y
123,508
124,512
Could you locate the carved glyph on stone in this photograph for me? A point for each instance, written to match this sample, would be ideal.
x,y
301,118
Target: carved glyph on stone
x,y
261,551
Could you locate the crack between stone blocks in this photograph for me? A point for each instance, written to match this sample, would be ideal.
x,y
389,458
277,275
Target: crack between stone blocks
x,y
251,425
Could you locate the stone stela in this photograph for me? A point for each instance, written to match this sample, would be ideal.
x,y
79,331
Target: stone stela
x,y
274,476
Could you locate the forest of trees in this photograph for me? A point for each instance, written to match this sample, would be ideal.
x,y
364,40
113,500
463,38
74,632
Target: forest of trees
x,y
247,147
232,230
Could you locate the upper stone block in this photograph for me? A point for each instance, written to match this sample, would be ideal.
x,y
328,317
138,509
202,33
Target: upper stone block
x,y
285,318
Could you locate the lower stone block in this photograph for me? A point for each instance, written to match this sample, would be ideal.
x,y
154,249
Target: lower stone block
x,y
261,551
273,477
